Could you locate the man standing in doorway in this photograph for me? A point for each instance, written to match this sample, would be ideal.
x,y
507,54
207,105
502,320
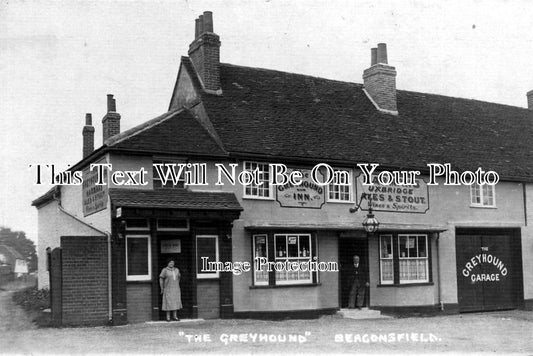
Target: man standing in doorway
x,y
359,284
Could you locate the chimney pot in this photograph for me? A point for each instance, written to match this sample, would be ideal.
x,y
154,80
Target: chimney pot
x,y
530,100
373,56
111,106
202,26
198,28
208,21
88,119
382,53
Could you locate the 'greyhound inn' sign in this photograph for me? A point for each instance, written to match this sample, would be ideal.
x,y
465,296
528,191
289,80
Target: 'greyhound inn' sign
x,y
306,195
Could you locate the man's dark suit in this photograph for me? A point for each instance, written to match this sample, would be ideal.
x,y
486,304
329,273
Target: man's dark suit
x,y
358,291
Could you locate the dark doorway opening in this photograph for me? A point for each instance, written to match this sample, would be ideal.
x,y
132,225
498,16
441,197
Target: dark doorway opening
x,y
348,247
178,248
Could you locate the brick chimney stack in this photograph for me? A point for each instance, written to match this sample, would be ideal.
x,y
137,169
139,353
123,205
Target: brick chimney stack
x,y
204,52
88,135
530,100
111,120
380,81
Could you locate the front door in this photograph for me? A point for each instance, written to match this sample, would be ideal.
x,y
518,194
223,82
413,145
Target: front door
x,y
348,247
177,248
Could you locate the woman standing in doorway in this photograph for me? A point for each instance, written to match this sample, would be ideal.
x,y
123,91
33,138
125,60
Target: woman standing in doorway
x,y
169,281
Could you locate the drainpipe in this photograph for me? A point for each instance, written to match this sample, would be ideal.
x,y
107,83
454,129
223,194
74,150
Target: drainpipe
x,y
109,286
108,235
438,273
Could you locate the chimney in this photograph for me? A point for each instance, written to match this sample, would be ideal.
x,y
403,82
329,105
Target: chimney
x,y
380,81
530,100
111,120
88,135
204,52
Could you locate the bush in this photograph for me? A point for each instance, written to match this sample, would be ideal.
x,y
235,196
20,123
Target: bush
x,y
32,298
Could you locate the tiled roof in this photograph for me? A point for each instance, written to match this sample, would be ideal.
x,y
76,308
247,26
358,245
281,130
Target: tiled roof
x,y
12,251
285,115
174,132
174,199
45,198
282,116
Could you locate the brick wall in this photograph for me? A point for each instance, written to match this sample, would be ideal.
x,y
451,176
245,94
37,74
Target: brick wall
x,y
205,56
110,125
84,271
208,299
139,296
380,83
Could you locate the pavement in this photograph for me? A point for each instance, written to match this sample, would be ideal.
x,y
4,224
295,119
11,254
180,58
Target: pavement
x,y
507,332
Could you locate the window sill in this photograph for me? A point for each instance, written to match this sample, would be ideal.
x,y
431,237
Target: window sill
x,y
287,286
406,285
258,198
339,202
483,206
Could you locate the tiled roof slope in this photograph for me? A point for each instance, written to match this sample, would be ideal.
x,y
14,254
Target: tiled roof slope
x,y
175,132
12,251
290,115
174,199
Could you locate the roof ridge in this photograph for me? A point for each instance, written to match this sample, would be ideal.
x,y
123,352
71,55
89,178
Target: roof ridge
x,y
465,99
291,73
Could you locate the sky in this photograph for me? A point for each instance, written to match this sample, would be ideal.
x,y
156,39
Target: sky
x,y
59,59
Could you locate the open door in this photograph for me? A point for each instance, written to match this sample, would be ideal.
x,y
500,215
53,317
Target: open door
x,y
177,248
348,247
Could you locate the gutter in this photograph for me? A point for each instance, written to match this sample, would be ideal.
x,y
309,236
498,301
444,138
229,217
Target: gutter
x,y
108,235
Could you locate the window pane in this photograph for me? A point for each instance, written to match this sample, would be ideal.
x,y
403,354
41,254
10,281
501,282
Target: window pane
x,y
281,247
403,246
475,194
411,246
404,270
305,249
263,175
414,265
167,173
289,249
386,271
260,241
422,246
137,250
293,245
386,247
340,189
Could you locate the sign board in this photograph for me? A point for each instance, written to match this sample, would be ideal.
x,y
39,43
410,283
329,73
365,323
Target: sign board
x,y
306,195
396,198
21,266
94,197
171,246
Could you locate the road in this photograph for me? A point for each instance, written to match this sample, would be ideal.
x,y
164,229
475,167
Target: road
x,y
501,332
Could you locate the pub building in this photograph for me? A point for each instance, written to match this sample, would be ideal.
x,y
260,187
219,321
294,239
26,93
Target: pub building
x,y
452,248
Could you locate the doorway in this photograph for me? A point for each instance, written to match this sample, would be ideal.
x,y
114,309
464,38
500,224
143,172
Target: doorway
x,y
178,248
348,247
489,269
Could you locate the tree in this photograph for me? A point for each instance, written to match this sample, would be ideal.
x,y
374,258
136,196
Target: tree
x,y
23,245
